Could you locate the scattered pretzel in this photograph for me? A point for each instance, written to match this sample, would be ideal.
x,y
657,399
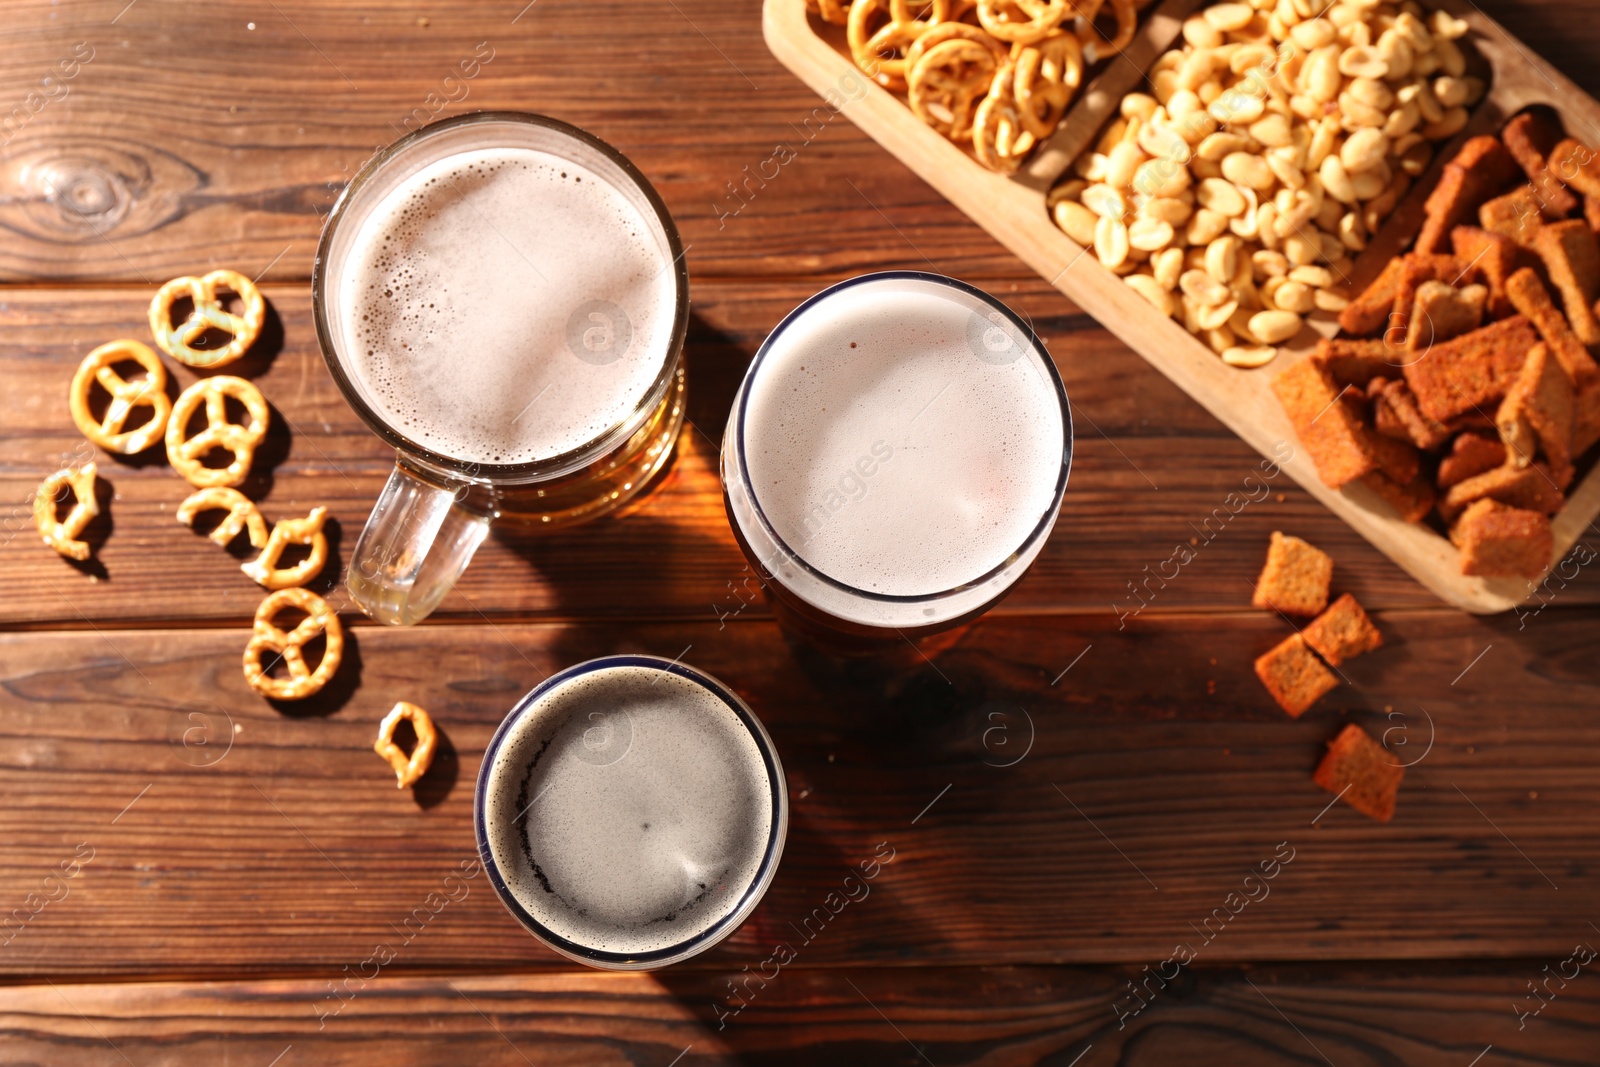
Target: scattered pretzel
x,y
1096,47
285,532
242,514
208,314
302,681
1047,75
1022,21
407,769
998,137
881,52
62,536
187,455
151,391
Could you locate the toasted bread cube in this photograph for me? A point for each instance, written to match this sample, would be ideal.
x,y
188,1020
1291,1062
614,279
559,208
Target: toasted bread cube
x,y
1412,498
1539,406
1342,632
1441,311
1294,675
1295,578
1397,460
1578,166
1481,169
1361,772
1419,270
1356,362
1586,418
1473,371
1339,442
1500,541
1571,255
1471,454
1530,138
1369,312
1529,487
1518,215
1528,294
1396,414
1494,254
1591,212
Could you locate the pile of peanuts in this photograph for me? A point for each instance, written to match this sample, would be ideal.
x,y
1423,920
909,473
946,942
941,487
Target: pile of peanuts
x,y
1269,149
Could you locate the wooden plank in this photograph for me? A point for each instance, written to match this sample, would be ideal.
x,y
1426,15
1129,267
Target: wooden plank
x,y
1354,1015
1151,472
1012,207
1142,758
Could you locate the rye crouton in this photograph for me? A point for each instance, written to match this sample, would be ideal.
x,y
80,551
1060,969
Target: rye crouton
x,y
1442,311
1295,578
1342,632
1530,138
1473,371
1420,270
1361,772
1586,418
1528,294
1413,498
1369,312
1571,255
1294,675
1577,165
1481,169
1495,255
1536,415
1517,215
1355,362
1498,541
1395,414
1339,442
1470,455
1530,488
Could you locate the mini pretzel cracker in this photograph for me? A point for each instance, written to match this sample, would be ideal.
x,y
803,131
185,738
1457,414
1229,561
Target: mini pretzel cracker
x,y
187,455
1047,75
285,532
948,78
407,769
302,681
242,514
208,314
998,137
1021,21
62,536
151,390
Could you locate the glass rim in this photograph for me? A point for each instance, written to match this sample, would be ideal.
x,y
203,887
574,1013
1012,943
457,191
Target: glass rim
x,y
1040,529
533,470
752,894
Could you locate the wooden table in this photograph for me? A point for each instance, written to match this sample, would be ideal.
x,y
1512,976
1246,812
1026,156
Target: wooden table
x,y
1073,790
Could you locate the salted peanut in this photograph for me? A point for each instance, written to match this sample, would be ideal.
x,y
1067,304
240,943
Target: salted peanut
x,y
1450,92
1206,226
1251,356
1159,298
1150,235
1184,102
1451,61
1414,159
1222,258
1324,139
1367,185
1294,296
1269,264
1313,35
1425,64
1451,123
1237,107
1161,177
1138,106
1218,146
1220,196
1274,327
1105,201
1273,130
1248,169
1316,277
408,770
1246,225
1320,78
1328,218
1220,339
1203,289
1402,120
1371,92
1363,150
1283,163
1336,180
1446,26
1305,107
1239,326
1111,245
1410,27
1076,221
1199,32
1354,115
1170,210
1329,300
1122,162
1215,318
1396,53
1420,94
1362,61
1251,57
1166,266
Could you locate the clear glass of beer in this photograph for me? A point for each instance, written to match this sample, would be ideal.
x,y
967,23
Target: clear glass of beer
x,y
896,457
631,812
502,298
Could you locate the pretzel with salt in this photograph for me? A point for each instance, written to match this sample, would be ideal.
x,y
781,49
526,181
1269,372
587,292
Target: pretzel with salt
x,y
62,535
149,391
187,453
407,769
1048,73
881,52
242,514
948,79
264,568
208,313
268,637
998,137
1022,21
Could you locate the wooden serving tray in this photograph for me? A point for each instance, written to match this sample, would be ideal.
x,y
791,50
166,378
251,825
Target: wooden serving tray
x,y
1012,209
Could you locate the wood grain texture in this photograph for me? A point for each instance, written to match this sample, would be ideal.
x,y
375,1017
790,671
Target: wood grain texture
x,y
1144,765
1151,471
1358,1015
1013,209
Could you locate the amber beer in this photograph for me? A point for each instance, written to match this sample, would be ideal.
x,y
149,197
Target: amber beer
x,y
896,456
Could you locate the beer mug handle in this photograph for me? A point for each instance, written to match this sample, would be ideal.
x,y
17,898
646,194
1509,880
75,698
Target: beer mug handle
x,y
419,538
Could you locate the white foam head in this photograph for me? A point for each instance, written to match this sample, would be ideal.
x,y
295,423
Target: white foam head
x,y
467,306
629,810
902,437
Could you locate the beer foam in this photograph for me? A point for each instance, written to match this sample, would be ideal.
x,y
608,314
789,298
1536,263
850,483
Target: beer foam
x,y
902,437
464,285
628,810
